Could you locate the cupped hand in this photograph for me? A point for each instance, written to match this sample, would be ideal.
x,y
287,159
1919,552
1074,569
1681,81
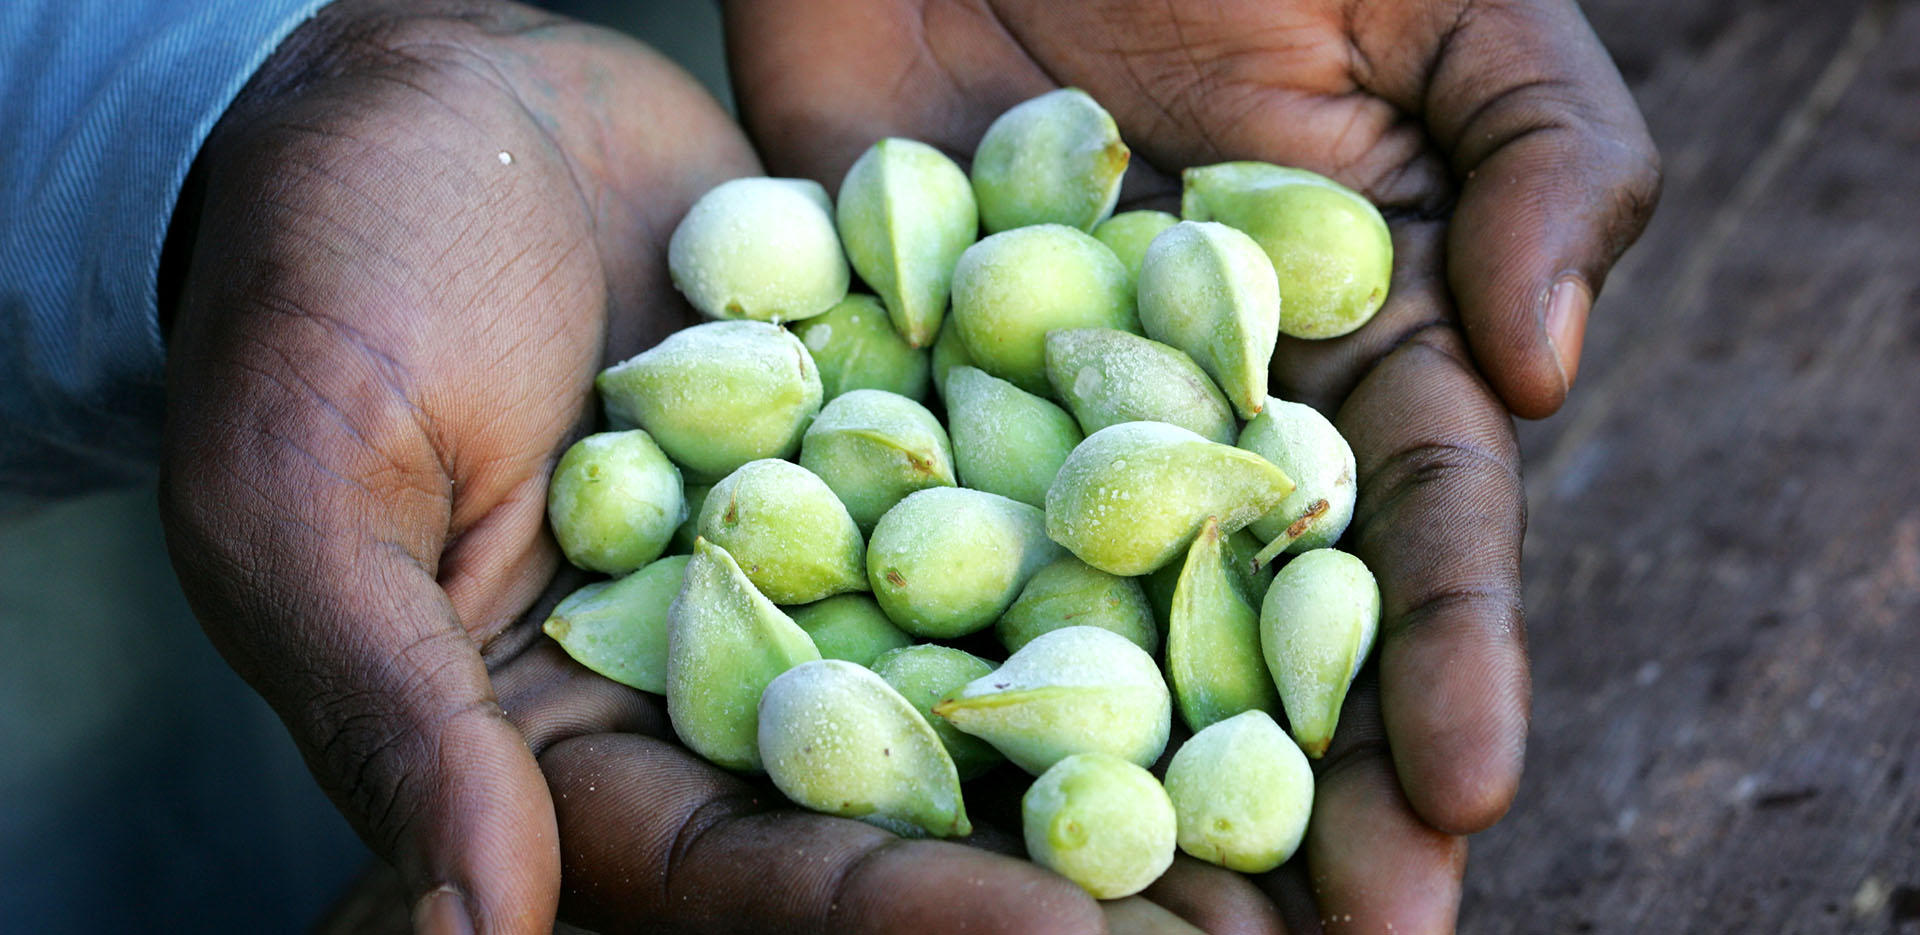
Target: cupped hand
x,y
420,232
1513,168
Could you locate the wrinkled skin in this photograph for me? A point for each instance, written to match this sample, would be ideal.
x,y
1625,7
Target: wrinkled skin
x,y
384,337
1513,169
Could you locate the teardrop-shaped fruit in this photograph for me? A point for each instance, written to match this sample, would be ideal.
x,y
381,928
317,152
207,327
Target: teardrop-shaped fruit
x,y
1210,291
725,642
850,627
906,212
1073,690
836,738
1330,247
1128,233
926,674
1304,444
1012,288
614,501
1316,627
1213,640
1053,159
1005,439
1241,793
1250,579
1101,822
873,448
1131,497
856,348
618,628
787,530
1107,377
947,561
1071,593
760,248
753,378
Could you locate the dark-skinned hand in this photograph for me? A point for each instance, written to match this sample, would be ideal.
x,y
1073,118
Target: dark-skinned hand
x,y
1513,168
414,239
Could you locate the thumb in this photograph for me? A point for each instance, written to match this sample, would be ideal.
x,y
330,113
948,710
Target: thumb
x,y
1558,177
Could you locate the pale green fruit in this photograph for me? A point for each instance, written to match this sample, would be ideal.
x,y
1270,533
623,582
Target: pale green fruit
x,y
836,738
717,395
787,530
618,628
1316,627
725,642
1210,291
948,352
1101,822
856,348
925,675
1005,439
873,448
947,561
1242,793
1071,593
1250,579
1071,690
614,501
1305,445
1131,497
1053,159
1330,247
1012,288
906,212
1128,233
689,530
759,248
1107,377
850,627
1213,640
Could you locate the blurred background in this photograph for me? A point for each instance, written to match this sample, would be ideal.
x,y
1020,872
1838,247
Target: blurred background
x,y
1722,566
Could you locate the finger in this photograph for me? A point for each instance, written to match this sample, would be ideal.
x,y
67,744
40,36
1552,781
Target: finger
x,y
1558,176
1439,520
1135,915
1214,899
654,838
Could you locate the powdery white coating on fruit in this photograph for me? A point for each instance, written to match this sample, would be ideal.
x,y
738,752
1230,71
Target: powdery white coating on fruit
x,y
1132,496
755,379
615,501
1072,690
1005,439
618,628
906,212
1071,593
926,674
1210,291
850,627
1301,441
1012,288
1213,640
947,561
856,348
873,448
1053,159
1101,822
788,531
1330,248
837,738
1317,625
1128,233
1241,793
760,248
725,642
1107,377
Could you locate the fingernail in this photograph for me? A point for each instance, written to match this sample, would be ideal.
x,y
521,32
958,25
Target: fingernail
x,y
442,912
1566,324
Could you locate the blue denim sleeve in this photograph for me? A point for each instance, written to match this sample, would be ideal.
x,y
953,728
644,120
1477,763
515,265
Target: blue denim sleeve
x,y
103,105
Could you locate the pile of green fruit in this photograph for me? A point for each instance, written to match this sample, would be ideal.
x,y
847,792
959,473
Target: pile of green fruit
x,y
1111,478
